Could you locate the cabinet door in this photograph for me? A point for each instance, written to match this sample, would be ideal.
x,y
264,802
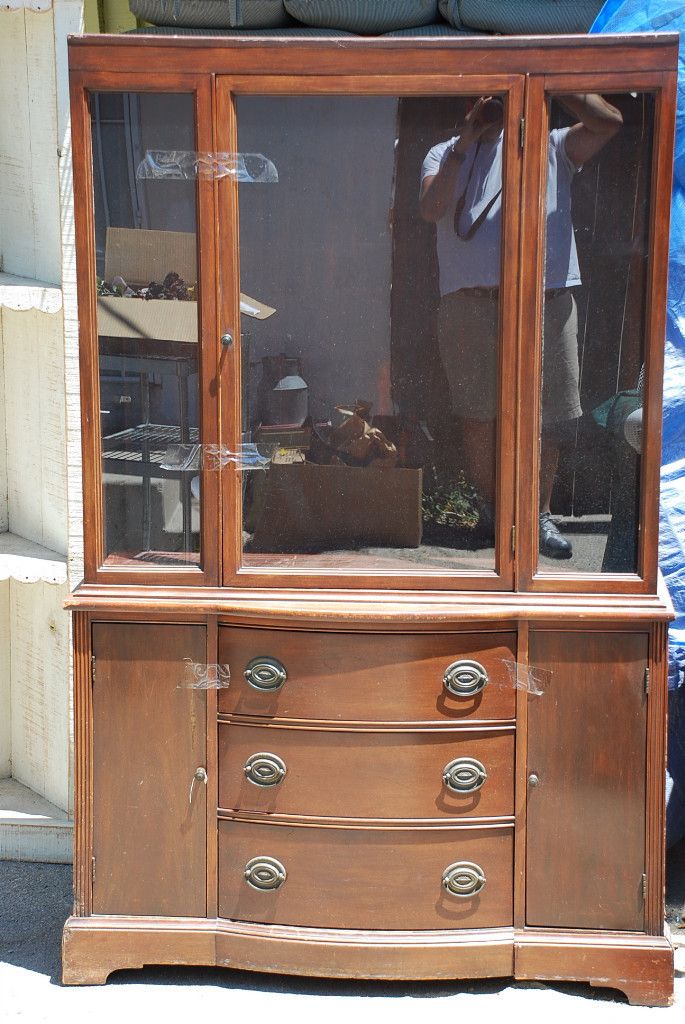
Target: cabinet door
x,y
586,814
149,737
380,315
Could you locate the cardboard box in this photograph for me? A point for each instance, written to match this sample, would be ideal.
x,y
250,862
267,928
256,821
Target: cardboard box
x,y
310,507
141,256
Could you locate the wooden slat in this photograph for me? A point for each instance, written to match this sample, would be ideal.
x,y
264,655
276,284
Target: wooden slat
x,y
83,767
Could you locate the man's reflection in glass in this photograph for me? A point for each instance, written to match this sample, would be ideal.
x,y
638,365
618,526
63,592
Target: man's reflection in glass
x,y
461,193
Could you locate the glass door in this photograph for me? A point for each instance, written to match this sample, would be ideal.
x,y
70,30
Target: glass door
x,y
368,269
603,223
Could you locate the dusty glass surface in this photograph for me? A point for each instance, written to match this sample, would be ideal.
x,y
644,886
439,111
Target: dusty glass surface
x,y
597,232
145,224
370,386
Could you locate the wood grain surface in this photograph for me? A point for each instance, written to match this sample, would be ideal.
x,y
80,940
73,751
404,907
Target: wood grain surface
x,y
366,774
586,816
361,677
365,877
149,734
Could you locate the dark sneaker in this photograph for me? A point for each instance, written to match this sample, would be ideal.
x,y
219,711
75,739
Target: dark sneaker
x,y
552,543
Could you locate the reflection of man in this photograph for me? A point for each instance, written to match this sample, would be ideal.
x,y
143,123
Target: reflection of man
x,y
461,186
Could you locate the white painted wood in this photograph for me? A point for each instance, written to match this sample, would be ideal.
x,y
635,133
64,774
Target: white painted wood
x,y
4,507
5,687
22,293
32,828
29,5
68,18
26,562
35,426
39,690
29,190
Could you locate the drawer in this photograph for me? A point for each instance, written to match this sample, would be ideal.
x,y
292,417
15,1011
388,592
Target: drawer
x,y
361,677
366,774
387,878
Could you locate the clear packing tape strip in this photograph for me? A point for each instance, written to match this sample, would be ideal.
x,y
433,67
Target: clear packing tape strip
x,y
187,165
191,458
532,680
198,676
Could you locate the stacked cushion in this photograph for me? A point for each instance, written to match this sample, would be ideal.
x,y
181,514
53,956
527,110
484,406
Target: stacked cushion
x,y
374,17
364,16
240,14
522,17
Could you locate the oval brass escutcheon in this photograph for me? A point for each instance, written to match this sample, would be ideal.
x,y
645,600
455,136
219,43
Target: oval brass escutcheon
x,y
463,879
265,873
465,678
464,775
265,769
265,673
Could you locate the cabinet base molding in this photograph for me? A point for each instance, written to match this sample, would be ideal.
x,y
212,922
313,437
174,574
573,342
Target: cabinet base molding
x,y
94,947
639,966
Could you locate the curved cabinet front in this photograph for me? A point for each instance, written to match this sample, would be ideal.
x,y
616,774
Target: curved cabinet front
x,y
349,677
371,773
373,878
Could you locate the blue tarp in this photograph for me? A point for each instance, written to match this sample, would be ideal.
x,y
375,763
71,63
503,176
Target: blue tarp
x,y
669,16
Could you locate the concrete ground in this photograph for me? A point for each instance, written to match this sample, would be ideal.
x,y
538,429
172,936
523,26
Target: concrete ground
x,y
35,899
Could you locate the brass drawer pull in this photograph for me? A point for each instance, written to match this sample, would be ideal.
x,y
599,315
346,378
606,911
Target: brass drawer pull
x,y
465,678
265,674
264,769
463,879
464,775
265,874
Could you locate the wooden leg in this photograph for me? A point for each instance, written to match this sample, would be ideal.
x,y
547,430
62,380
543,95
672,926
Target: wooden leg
x,y
658,992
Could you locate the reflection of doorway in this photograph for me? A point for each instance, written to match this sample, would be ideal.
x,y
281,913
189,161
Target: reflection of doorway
x,y
418,379
611,225
610,214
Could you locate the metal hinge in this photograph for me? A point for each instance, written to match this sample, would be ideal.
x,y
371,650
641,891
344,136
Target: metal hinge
x,y
644,887
646,681
513,540
92,668
522,132
92,870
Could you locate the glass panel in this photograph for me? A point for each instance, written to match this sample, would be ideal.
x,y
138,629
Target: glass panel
x,y
369,395
597,232
145,223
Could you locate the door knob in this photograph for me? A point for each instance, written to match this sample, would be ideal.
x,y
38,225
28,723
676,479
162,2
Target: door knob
x,y
200,775
227,339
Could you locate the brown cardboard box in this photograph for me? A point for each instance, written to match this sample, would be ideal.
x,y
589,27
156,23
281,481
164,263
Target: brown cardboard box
x,y
141,256
309,507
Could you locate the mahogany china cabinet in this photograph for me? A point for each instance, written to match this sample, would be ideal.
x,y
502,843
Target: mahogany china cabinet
x,y
352,311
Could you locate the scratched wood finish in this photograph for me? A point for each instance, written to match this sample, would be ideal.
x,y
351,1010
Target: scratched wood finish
x,y
364,877
366,774
94,947
149,732
586,816
364,677
526,55
365,656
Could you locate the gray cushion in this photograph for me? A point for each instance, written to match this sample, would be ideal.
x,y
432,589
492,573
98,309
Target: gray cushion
x,y
438,29
528,17
371,16
450,11
179,30
243,14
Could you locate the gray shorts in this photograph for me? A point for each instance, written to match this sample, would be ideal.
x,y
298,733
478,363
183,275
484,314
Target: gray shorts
x,y
467,335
